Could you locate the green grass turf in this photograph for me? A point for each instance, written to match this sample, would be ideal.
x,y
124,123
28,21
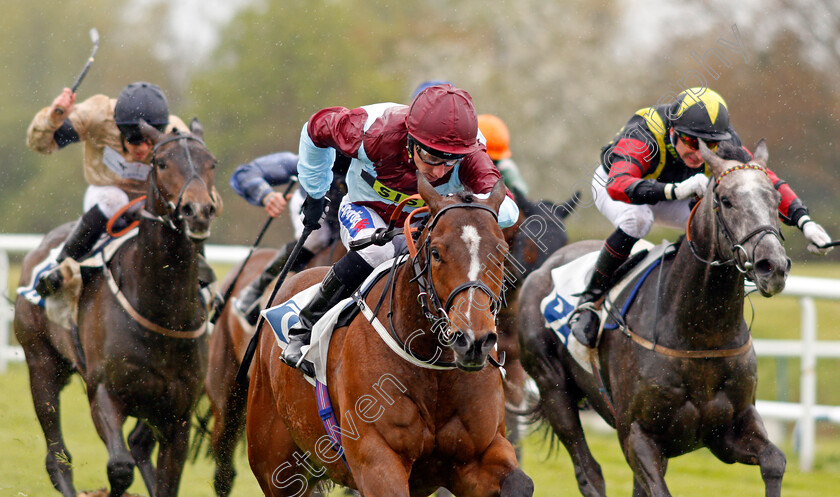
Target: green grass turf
x,y
22,452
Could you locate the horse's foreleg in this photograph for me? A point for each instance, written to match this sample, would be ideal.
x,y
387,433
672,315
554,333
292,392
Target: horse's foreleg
x,y
559,408
227,429
747,443
171,457
496,473
48,374
141,442
647,462
384,473
108,419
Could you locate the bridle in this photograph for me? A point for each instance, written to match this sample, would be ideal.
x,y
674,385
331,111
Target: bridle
x,y
428,296
747,264
173,210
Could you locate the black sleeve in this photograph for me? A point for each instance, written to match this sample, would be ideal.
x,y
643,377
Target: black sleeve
x,y
646,191
65,135
796,210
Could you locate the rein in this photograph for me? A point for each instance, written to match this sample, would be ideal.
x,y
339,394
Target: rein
x,y
172,214
427,296
737,246
166,219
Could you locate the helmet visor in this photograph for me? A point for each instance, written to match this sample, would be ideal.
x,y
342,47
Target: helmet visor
x,y
132,134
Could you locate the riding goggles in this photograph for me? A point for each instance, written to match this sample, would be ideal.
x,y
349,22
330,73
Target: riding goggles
x,y
692,142
434,160
132,135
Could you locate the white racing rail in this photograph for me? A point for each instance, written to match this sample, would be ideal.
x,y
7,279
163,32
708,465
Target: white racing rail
x,y
805,413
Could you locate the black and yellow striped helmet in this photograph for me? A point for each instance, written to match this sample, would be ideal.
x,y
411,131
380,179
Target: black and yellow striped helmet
x,y
702,113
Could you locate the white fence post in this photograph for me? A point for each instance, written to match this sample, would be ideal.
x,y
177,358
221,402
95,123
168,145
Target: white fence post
x,y
808,383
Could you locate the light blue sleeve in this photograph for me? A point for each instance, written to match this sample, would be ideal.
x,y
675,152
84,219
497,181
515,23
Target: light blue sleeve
x,y
314,166
508,211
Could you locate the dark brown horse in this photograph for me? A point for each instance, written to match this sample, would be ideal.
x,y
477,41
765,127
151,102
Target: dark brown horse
x,y
143,351
406,429
692,384
227,347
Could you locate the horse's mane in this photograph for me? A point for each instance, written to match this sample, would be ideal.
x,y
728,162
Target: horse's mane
x,y
729,151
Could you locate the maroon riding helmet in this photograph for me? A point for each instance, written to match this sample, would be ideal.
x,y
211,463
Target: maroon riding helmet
x,y
443,121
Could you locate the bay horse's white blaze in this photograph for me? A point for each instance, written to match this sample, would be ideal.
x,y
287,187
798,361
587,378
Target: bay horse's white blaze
x,y
473,240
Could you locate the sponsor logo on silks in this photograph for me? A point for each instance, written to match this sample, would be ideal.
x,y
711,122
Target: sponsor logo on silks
x,y
355,219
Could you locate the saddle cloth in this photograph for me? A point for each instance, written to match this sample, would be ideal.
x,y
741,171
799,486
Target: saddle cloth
x,y
62,308
283,317
103,251
570,280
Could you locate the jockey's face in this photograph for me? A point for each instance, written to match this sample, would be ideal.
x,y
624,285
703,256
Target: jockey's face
x,y
139,152
435,170
691,156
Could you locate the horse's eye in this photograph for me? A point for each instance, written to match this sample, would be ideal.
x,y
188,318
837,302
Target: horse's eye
x,y
724,200
435,254
213,165
159,164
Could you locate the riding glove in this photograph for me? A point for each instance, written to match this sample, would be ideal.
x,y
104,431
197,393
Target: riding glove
x,y
313,209
693,186
816,235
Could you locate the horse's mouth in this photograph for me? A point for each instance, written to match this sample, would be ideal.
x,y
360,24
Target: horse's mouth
x,y
198,235
471,366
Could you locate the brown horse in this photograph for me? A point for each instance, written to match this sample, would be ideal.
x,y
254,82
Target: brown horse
x,y
227,347
679,375
406,429
142,351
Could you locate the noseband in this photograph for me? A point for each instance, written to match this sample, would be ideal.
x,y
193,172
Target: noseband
x,y
173,209
748,263
428,296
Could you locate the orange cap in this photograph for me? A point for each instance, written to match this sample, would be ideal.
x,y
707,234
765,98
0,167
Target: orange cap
x,y
497,135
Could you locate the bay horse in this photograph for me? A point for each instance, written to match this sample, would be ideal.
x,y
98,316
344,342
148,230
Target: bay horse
x,y
692,383
230,338
406,430
227,347
141,351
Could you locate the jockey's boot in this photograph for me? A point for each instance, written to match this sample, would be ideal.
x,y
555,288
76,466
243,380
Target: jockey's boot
x,y
340,282
77,245
585,322
247,303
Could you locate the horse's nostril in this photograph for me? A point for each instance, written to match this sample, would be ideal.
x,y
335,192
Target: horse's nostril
x,y
187,210
764,266
211,210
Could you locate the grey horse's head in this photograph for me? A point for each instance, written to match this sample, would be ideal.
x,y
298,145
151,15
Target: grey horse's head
x,y
746,205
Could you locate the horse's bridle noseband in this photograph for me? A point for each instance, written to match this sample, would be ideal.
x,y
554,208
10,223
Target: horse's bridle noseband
x,y
428,296
748,263
173,209
423,276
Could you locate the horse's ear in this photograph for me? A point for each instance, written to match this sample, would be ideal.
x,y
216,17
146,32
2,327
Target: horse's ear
x,y
761,154
428,192
497,195
150,133
717,165
196,128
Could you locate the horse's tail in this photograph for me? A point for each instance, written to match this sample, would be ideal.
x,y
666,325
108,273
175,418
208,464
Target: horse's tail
x,y
201,433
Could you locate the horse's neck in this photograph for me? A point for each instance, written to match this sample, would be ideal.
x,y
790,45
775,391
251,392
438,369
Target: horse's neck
x,y
167,262
707,300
